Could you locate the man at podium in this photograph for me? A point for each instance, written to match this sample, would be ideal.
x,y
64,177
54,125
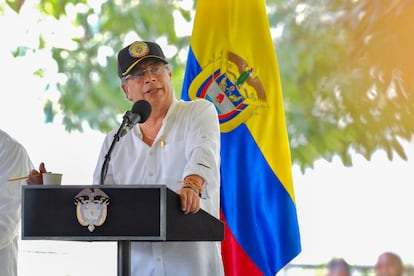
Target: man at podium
x,y
178,146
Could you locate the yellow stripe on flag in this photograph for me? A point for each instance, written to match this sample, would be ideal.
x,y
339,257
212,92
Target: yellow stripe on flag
x,y
253,42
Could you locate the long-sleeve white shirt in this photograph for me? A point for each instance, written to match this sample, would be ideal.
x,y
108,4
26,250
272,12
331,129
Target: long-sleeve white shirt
x,y
14,162
187,143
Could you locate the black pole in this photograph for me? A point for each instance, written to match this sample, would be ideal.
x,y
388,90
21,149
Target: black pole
x,y
124,258
124,247
105,164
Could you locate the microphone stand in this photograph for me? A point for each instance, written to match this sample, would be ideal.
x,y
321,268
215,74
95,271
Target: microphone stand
x,y
121,132
124,246
104,169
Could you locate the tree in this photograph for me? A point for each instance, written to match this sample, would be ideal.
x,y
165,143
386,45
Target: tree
x,y
345,68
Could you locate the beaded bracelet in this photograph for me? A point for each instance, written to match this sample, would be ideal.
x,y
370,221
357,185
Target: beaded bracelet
x,y
191,185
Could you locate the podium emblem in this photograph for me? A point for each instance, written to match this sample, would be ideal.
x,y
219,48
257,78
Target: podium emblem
x,y
91,207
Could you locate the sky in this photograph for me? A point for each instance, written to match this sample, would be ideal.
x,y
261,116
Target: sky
x,y
355,212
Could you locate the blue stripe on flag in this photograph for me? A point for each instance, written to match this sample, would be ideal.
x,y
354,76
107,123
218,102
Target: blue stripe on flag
x,y
256,206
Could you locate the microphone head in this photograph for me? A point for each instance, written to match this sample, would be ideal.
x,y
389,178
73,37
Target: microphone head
x,y
143,109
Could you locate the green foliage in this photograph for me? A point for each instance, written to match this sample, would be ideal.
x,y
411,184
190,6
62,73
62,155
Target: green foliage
x,y
16,5
345,71
92,91
345,68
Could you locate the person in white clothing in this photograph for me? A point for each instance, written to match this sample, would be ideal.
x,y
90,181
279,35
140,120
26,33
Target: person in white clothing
x,y
14,162
179,146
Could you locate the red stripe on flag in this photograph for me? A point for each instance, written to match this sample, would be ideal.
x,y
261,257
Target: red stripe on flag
x,y
235,259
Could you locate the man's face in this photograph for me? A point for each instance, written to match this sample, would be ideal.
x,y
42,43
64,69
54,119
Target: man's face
x,y
150,81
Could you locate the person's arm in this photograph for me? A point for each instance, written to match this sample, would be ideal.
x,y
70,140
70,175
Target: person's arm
x,y
190,194
201,174
14,162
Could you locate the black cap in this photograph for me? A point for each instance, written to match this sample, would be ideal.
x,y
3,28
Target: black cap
x,y
134,53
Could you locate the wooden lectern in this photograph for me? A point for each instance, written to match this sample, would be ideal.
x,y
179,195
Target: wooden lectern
x,y
132,213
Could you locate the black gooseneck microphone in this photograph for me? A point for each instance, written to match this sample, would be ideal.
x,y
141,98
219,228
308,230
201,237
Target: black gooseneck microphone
x,y
139,113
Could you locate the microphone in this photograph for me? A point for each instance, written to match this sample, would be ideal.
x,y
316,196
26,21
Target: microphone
x,y
139,113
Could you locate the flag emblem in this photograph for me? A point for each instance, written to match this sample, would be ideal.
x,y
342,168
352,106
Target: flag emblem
x,y
234,88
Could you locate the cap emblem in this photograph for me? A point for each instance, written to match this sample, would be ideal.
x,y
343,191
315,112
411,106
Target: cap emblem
x,y
138,49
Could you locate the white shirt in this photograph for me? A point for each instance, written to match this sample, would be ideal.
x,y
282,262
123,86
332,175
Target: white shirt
x,y
187,143
14,162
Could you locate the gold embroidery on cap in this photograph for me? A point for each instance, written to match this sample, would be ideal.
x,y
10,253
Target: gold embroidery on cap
x,y
138,49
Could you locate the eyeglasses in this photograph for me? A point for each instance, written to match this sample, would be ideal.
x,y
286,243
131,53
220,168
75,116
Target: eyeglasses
x,y
155,70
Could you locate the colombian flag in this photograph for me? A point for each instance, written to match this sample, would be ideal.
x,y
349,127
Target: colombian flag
x,y
232,63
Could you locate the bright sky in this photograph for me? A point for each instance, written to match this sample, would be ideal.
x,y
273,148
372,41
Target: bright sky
x,y
355,213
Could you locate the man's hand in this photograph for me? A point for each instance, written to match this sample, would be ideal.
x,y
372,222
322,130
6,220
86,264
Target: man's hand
x,y
35,177
190,201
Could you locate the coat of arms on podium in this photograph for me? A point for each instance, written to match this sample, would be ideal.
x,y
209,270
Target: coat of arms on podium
x,y
91,207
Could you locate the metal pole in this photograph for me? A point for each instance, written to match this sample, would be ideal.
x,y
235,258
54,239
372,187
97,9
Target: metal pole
x,y
124,258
